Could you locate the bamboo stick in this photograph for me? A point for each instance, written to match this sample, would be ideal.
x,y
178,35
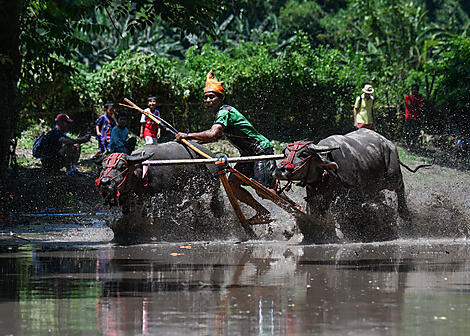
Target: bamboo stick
x,y
213,160
170,128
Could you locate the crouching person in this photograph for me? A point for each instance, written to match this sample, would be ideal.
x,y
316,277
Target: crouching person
x,y
59,150
119,142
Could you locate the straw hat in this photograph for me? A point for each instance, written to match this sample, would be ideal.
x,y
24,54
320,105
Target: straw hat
x,y
368,89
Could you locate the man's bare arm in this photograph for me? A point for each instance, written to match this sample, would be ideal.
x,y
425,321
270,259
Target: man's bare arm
x,y
70,141
210,135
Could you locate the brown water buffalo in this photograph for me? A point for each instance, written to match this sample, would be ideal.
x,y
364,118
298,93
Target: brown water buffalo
x,y
180,202
343,170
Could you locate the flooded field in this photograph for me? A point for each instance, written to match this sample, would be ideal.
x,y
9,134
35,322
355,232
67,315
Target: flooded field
x,y
63,272
405,287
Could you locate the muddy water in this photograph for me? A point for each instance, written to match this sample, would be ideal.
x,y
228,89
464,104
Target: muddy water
x,y
404,287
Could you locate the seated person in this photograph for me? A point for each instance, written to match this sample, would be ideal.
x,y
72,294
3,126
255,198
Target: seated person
x,y
119,142
463,145
59,150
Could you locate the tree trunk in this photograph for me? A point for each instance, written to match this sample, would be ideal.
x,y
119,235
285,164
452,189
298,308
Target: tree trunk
x,y
10,63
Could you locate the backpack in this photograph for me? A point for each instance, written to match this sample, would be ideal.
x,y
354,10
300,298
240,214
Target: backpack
x,y
360,101
38,145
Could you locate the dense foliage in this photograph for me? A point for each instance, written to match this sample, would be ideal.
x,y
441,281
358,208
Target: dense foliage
x,y
293,67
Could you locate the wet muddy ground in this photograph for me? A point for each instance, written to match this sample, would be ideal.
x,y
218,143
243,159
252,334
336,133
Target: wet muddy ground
x,y
63,274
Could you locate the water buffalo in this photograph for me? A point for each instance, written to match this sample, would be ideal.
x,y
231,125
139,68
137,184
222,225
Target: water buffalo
x,y
343,170
121,174
181,202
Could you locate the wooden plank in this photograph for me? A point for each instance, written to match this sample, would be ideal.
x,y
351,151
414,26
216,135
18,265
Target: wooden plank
x,y
236,207
213,160
291,208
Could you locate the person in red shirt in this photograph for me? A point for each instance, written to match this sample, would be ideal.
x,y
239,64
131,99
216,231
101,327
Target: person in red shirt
x,y
413,113
149,131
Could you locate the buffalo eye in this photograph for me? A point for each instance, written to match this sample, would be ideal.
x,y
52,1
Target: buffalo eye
x,y
304,155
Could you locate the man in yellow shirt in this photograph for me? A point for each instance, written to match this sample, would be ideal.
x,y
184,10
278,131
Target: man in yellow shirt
x,y
364,113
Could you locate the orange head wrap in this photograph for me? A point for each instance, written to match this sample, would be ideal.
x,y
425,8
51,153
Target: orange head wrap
x,y
212,84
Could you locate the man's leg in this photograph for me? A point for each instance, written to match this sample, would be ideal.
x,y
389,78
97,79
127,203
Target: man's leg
x,y
71,155
244,196
103,146
52,165
416,131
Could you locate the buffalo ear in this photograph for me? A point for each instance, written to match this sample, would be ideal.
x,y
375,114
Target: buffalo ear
x,y
136,159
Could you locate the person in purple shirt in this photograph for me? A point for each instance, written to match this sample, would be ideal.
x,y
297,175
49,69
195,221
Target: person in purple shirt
x,y
104,125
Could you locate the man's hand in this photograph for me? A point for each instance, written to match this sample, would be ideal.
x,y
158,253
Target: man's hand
x,y
180,136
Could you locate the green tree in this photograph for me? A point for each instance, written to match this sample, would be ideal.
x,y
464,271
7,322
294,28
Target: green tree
x,y
36,34
303,16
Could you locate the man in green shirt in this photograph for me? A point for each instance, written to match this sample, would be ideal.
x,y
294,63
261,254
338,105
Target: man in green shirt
x,y
229,122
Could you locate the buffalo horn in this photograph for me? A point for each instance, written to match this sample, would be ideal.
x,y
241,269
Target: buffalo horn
x,y
138,158
321,149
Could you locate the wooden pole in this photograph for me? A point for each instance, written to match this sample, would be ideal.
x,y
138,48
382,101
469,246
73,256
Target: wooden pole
x,y
288,206
234,202
213,160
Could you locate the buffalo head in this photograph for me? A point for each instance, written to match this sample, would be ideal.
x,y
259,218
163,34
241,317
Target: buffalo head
x,y
114,176
305,162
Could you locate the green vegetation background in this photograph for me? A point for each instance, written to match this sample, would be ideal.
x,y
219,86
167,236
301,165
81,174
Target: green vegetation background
x,y
292,67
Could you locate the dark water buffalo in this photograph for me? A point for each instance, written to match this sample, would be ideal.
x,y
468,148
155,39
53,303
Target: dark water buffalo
x,y
121,174
181,201
343,170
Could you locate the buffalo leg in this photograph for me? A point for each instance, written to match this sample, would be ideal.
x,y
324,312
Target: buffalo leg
x,y
403,210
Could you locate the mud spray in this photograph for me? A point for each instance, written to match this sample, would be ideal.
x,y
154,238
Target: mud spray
x,y
195,209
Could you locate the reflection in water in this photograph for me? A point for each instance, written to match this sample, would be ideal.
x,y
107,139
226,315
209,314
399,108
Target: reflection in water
x,y
236,289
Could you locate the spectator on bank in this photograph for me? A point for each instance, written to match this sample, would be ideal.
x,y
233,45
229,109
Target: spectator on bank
x,y
149,129
463,145
59,150
104,125
413,113
364,112
119,142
